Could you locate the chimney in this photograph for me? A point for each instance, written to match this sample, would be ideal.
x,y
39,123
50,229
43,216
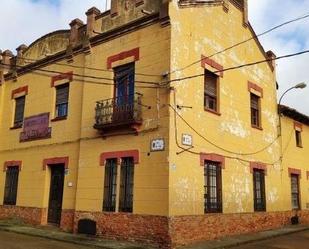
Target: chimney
x,y
114,8
7,55
272,59
20,54
91,14
74,36
245,13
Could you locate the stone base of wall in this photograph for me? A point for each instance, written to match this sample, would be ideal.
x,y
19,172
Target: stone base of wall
x,y
186,230
147,229
164,232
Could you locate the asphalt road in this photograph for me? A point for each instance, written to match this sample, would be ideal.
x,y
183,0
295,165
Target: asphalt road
x,y
291,241
18,241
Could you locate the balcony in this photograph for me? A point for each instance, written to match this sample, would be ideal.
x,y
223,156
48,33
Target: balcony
x,y
118,113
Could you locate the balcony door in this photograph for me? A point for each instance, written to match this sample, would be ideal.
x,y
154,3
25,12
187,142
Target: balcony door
x,y
124,92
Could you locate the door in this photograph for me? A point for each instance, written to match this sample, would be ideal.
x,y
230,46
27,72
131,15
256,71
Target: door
x,y
56,194
124,92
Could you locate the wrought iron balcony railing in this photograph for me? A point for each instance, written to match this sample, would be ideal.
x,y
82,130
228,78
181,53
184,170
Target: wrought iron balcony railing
x,y
117,112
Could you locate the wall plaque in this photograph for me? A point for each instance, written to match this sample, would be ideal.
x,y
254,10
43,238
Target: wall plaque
x,y
35,128
157,144
187,140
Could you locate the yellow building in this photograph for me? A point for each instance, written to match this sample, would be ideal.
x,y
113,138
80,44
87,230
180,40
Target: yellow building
x,y
111,121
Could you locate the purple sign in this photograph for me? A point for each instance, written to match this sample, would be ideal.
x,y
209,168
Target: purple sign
x,y
36,127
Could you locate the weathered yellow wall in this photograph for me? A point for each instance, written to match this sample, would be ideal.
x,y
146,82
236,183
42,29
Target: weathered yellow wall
x,y
296,158
203,31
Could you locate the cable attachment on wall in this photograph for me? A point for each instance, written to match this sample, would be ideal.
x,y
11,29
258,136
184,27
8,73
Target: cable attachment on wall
x,y
179,107
185,150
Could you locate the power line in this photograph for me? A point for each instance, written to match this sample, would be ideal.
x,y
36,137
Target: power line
x,y
238,67
80,75
89,68
245,41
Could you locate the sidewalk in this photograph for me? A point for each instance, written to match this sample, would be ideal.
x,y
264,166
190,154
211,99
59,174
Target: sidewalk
x,y
55,234
234,241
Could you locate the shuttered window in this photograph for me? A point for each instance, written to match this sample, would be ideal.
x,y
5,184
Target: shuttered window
x,y
211,91
259,190
11,183
295,191
19,111
126,185
298,139
255,110
213,187
110,186
62,99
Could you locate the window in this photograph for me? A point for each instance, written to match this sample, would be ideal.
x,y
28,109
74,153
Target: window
x,y
11,183
255,111
110,186
19,111
126,185
295,191
211,91
213,187
298,139
259,190
62,99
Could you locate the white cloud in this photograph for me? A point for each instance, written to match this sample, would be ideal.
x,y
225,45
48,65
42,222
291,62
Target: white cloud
x,y
23,21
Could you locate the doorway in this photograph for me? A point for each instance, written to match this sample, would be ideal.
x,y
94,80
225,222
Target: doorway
x,y
56,194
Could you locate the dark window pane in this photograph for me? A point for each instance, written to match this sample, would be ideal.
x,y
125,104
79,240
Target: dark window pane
x,y
19,111
298,138
110,186
211,91
259,190
62,98
295,191
126,185
255,110
213,188
11,184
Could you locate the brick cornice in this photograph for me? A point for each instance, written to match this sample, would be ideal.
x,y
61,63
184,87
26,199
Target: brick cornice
x,y
56,160
205,61
12,164
21,91
212,157
64,76
258,165
118,155
134,53
294,171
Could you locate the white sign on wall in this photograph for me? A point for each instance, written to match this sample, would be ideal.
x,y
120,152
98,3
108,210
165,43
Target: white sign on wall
x,y
187,140
157,144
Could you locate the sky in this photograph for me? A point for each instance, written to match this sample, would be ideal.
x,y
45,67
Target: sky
x,y
23,21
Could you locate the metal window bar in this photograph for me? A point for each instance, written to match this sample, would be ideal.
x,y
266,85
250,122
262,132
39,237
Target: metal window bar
x,y
11,184
126,185
110,186
295,191
259,190
213,187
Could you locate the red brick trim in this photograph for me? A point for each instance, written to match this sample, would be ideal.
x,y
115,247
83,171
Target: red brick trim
x,y
12,164
56,160
294,171
20,90
255,87
118,155
63,76
123,55
298,126
210,62
258,165
212,157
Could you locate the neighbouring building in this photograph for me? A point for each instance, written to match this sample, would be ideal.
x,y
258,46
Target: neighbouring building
x,y
111,121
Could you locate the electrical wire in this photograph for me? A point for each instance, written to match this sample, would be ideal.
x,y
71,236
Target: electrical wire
x,y
245,41
238,67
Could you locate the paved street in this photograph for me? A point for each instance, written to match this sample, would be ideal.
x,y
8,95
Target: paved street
x,y
18,241
291,241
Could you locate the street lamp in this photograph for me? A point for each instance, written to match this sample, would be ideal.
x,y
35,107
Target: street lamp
x,y
297,86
